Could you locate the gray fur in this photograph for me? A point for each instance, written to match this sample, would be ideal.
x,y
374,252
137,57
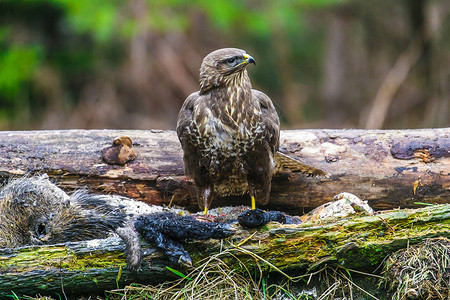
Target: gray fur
x,y
35,211
132,246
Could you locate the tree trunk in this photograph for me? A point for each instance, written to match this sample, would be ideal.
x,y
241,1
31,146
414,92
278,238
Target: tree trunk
x,y
392,168
90,267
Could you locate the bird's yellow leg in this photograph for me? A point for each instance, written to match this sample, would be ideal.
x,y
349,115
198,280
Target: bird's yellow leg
x,y
253,202
208,194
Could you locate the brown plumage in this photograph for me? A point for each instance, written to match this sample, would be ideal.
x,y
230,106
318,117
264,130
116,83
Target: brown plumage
x,y
229,132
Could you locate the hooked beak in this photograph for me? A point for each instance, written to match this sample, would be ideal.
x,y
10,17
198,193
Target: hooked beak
x,y
249,59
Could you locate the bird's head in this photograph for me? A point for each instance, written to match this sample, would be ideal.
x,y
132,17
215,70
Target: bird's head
x,y
221,65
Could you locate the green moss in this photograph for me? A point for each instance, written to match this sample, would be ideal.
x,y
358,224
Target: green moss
x,y
103,260
367,255
356,242
31,258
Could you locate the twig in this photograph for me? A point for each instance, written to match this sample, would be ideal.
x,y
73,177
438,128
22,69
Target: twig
x,y
392,82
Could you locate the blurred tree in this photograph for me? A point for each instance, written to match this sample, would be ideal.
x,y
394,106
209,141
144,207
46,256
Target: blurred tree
x,y
130,64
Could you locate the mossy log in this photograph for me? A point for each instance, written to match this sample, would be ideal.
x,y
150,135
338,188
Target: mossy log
x,y
90,267
390,169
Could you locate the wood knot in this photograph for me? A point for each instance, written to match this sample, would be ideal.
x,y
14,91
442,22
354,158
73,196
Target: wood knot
x,y
120,152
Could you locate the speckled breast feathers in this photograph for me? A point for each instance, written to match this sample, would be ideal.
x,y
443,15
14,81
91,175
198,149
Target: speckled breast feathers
x,y
223,126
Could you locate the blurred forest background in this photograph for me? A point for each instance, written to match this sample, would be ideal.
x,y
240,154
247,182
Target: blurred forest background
x,y
130,64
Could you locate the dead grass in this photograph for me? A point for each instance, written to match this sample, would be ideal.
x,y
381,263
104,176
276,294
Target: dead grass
x,y
214,279
421,271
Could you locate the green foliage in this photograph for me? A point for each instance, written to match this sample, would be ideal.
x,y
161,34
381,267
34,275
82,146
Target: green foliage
x,y
17,65
260,18
94,17
84,40
168,16
102,18
178,273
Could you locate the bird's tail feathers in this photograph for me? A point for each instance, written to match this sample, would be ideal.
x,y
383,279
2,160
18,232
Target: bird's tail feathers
x,y
285,161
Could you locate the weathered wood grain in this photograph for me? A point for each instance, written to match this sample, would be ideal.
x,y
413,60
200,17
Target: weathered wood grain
x,y
392,168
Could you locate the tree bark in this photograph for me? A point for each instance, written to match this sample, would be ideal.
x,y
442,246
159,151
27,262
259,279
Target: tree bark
x,y
391,168
90,267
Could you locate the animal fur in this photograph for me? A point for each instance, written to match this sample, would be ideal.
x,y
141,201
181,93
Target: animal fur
x,y
35,211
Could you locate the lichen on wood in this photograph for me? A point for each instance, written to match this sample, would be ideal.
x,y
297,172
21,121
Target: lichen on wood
x,y
357,242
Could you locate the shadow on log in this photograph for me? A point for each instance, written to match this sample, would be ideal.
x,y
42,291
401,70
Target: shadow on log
x,y
90,267
393,168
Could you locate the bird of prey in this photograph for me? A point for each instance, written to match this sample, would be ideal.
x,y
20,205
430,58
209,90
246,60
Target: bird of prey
x,y
230,133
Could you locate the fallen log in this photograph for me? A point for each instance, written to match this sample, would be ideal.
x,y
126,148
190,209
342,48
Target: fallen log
x,y
90,267
392,168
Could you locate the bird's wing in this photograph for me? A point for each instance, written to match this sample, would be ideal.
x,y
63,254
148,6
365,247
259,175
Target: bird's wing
x,y
185,116
190,136
269,118
285,161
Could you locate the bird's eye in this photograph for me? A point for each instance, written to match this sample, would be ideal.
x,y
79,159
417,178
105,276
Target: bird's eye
x,y
231,60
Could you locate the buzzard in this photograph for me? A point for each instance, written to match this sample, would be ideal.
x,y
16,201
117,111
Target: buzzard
x,y
229,132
